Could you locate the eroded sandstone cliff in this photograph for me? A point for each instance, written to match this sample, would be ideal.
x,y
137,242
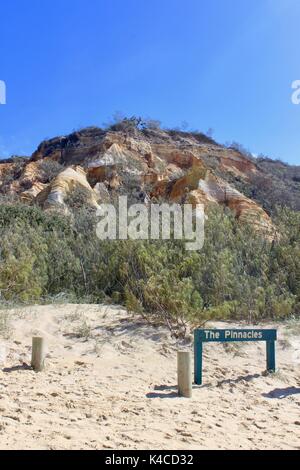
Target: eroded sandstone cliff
x,y
148,164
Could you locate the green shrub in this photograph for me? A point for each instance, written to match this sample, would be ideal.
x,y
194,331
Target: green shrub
x,y
237,275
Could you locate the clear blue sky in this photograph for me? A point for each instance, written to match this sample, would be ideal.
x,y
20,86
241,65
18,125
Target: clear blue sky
x,y
224,64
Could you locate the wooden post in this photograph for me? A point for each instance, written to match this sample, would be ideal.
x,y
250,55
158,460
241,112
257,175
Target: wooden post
x,y
38,353
184,372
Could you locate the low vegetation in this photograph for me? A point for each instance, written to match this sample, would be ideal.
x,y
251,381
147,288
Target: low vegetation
x,y
12,173
4,324
237,275
275,184
49,169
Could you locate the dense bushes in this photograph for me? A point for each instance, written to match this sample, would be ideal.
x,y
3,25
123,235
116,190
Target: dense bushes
x,y
236,275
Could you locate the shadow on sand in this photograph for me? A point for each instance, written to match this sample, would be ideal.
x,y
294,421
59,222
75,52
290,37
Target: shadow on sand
x,y
23,366
171,392
281,393
240,378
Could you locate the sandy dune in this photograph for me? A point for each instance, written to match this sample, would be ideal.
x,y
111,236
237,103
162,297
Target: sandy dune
x,y
117,389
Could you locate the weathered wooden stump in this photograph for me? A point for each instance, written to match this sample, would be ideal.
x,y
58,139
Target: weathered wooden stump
x,y
38,353
184,371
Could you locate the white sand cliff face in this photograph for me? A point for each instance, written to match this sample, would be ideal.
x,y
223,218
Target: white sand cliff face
x,y
117,389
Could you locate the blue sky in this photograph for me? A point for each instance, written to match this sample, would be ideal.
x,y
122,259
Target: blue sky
x,y
221,64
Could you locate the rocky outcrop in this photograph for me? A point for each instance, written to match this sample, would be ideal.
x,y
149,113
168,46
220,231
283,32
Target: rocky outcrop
x,y
54,194
145,164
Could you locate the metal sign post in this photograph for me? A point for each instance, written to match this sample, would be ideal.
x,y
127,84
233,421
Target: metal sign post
x,y
209,336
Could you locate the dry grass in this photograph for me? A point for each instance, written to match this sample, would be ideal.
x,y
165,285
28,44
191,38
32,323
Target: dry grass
x,y
83,330
234,348
292,328
4,324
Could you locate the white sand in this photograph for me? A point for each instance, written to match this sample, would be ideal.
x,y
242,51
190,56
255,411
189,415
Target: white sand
x,y
118,389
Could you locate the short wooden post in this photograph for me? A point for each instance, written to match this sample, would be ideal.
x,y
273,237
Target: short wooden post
x,y
184,371
38,353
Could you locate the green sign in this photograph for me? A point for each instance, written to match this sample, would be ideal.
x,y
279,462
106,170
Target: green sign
x,y
208,336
